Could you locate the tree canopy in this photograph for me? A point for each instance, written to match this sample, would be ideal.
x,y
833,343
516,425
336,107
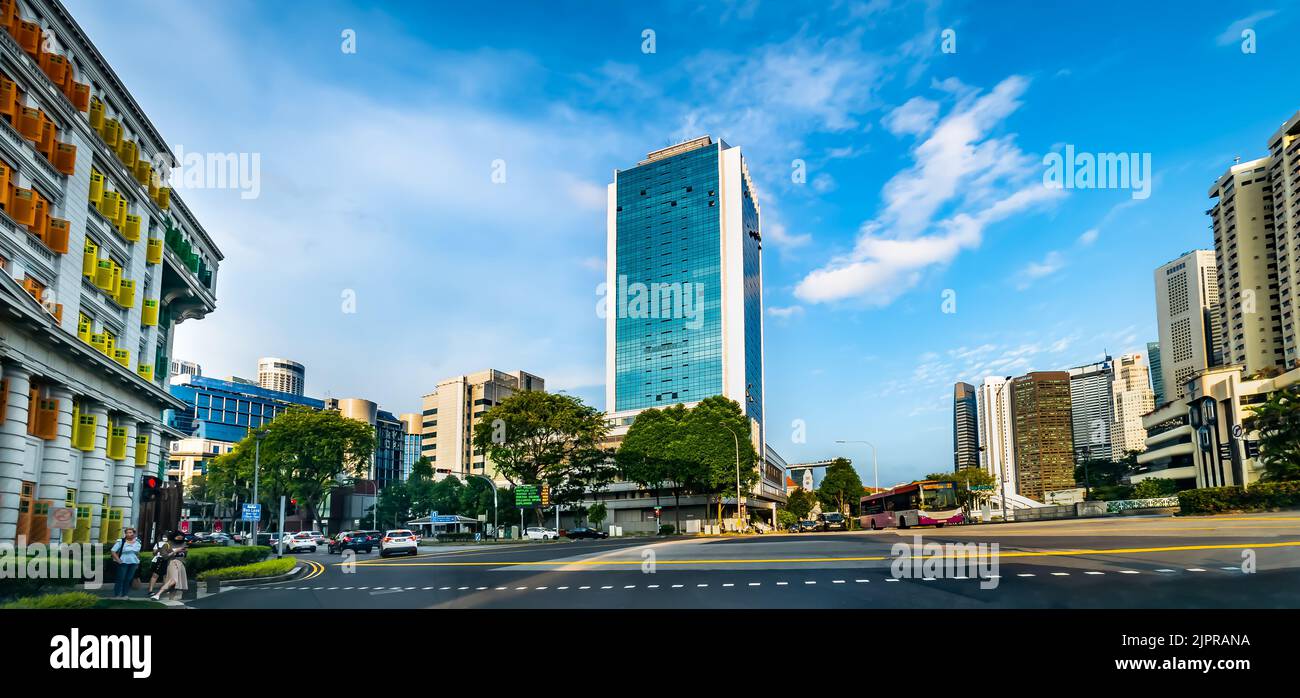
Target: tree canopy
x,y
1278,422
841,488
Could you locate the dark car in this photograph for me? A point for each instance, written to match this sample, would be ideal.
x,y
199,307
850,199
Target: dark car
x,y
804,526
263,539
832,521
578,533
356,541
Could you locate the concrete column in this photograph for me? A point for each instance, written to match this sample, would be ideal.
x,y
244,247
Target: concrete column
x,y
13,449
56,465
90,491
124,476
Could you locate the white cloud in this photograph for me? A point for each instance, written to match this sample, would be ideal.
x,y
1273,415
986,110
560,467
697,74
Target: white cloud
x,y
915,117
972,178
1232,34
1088,237
785,312
1034,271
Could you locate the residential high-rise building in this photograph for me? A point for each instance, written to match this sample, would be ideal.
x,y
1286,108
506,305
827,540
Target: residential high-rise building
x,y
1091,410
1187,315
1132,398
281,374
1284,175
452,410
1157,379
996,431
965,427
101,262
1040,403
685,282
1245,252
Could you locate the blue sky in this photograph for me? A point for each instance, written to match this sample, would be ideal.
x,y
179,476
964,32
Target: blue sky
x,y
924,174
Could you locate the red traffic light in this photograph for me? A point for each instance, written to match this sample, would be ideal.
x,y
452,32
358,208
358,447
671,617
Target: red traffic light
x,y
150,484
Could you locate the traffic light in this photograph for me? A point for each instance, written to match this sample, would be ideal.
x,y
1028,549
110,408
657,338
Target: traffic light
x,y
658,511
150,485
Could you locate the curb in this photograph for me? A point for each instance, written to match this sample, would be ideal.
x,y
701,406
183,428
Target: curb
x,y
291,574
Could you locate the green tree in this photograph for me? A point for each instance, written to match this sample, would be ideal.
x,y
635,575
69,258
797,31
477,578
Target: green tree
x,y
535,437
841,488
304,455
653,453
394,507
800,502
786,518
716,434
1278,421
596,514
1154,487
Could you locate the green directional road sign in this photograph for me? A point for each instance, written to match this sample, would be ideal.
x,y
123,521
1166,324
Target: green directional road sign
x,y
527,496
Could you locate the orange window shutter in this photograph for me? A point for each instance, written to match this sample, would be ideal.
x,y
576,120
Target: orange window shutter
x,y
49,134
33,395
29,123
57,235
41,218
8,97
22,206
29,37
8,19
65,158
81,96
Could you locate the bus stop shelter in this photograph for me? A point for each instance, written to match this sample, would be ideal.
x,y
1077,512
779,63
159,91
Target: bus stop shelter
x,y
444,523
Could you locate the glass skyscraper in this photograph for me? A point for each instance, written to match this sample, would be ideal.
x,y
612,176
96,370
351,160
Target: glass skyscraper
x,y
685,281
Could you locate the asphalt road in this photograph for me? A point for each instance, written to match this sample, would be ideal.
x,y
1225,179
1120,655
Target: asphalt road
x,y
1240,561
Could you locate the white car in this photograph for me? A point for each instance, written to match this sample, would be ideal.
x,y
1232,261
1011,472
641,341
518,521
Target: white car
x,y
398,541
538,533
300,542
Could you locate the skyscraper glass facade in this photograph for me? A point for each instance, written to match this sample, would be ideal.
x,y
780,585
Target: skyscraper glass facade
x,y
753,244
225,411
669,246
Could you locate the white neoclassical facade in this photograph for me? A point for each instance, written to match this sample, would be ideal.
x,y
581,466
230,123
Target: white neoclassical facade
x,y
100,263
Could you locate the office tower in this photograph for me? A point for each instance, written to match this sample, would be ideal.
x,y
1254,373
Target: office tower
x,y
1157,380
101,264
452,410
1040,403
1187,316
411,438
385,465
1091,410
684,278
226,411
281,374
965,427
1284,176
184,368
996,432
1245,252
1133,398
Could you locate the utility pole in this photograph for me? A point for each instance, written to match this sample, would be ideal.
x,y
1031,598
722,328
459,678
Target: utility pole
x,y
496,512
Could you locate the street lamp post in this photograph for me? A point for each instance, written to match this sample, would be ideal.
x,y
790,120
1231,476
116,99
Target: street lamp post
x,y
875,470
258,435
737,441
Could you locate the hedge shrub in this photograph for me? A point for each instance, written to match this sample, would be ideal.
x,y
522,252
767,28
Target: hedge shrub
x,y
69,599
199,560
266,568
1260,497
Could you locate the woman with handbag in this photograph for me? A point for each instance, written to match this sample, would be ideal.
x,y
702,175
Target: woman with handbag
x,y
177,580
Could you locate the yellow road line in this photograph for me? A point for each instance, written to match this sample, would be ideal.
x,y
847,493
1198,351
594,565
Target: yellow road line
x,y
317,569
792,560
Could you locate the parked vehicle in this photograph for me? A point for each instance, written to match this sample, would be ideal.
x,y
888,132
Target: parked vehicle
x,y
220,539
398,540
807,525
579,533
832,521
319,537
356,541
265,539
539,533
299,542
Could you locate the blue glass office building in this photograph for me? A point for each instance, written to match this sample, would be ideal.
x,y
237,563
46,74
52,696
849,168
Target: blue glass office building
x,y
226,410
684,280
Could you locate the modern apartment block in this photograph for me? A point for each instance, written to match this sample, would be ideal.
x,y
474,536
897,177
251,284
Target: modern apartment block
x,y
1284,176
452,410
1092,410
1132,398
1157,379
100,263
965,427
181,367
1245,251
685,287
283,375
1040,403
1187,316
997,431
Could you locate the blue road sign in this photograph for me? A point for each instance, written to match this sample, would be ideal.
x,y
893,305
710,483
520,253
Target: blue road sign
x,y
450,518
252,512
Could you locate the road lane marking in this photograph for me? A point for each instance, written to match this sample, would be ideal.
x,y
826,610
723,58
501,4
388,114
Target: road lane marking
x,y
561,588
1060,574
1166,569
891,579
1094,572
1025,574
1195,569
862,581
726,585
653,586
754,584
607,587
581,588
781,584
1129,572
837,581
678,586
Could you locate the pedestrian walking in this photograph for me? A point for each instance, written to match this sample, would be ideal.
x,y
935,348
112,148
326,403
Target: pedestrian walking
x,y
126,553
162,551
176,578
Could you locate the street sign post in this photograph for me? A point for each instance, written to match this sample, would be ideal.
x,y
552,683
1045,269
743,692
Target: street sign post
x,y
251,512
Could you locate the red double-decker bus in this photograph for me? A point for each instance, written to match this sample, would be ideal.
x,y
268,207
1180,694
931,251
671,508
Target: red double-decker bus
x,y
925,503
